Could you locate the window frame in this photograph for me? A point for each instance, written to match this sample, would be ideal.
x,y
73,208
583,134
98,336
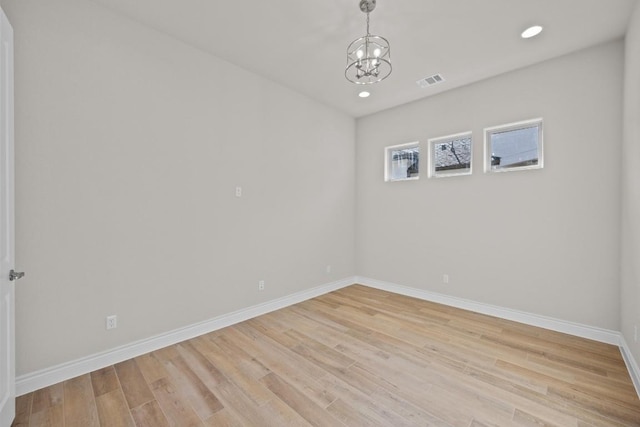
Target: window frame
x,y
432,173
388,159
524,124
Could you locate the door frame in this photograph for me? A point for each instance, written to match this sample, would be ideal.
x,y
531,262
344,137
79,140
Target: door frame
x,y
7,232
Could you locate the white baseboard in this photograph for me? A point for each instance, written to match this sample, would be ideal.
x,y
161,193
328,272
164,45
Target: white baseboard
x,y
46,377
576,329
49,376
632,366
590,332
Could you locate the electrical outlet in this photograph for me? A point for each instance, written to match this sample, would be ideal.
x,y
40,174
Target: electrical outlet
x,y
261,285
111,322
238,191
328,269
445,279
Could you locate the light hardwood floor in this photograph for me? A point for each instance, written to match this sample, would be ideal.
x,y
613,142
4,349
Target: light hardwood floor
x,y
354,357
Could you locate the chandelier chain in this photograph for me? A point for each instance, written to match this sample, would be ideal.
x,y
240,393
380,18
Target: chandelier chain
x,y
368,24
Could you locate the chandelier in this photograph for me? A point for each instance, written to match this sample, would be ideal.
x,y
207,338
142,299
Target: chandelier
x,y
369,57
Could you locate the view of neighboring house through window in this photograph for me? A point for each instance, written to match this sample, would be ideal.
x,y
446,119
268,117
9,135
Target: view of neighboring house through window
x,y
402,162
450,155
515,146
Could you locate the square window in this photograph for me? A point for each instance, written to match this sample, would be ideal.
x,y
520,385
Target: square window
x,y
402,162
516,146
450,155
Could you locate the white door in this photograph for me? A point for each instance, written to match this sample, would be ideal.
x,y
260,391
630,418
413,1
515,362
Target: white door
x,y
7,283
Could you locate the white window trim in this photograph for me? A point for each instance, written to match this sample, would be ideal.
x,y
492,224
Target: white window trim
x,y
508,127
432,161
387,161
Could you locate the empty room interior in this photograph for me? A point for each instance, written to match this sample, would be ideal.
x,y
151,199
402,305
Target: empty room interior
x,y
218,227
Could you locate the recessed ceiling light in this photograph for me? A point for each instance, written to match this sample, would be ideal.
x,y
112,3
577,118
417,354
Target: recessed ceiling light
x,y
364,94
531,32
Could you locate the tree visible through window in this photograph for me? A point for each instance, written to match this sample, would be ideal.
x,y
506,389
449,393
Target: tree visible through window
x,y
451,155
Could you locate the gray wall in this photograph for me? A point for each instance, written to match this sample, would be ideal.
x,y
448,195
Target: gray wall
x,y
543,241
630,294
129,146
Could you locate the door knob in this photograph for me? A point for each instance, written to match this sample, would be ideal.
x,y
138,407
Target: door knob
x,y
15,275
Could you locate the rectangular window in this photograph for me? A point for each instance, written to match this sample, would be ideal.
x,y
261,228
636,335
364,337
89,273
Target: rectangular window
x,y
402,162
516,146
450,155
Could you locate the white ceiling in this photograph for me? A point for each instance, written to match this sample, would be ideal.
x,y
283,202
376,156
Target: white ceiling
x,y
302,44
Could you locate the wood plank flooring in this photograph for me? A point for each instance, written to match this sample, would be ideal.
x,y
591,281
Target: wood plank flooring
x,y
354,357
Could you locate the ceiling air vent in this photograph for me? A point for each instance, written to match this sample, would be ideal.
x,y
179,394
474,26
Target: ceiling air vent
x,y
430,81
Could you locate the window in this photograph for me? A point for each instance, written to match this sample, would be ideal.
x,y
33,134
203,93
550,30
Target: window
x,y
402,162
516,146
450,155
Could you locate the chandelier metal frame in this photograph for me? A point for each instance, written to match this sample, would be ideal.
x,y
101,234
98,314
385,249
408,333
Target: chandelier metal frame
x,y
368,57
